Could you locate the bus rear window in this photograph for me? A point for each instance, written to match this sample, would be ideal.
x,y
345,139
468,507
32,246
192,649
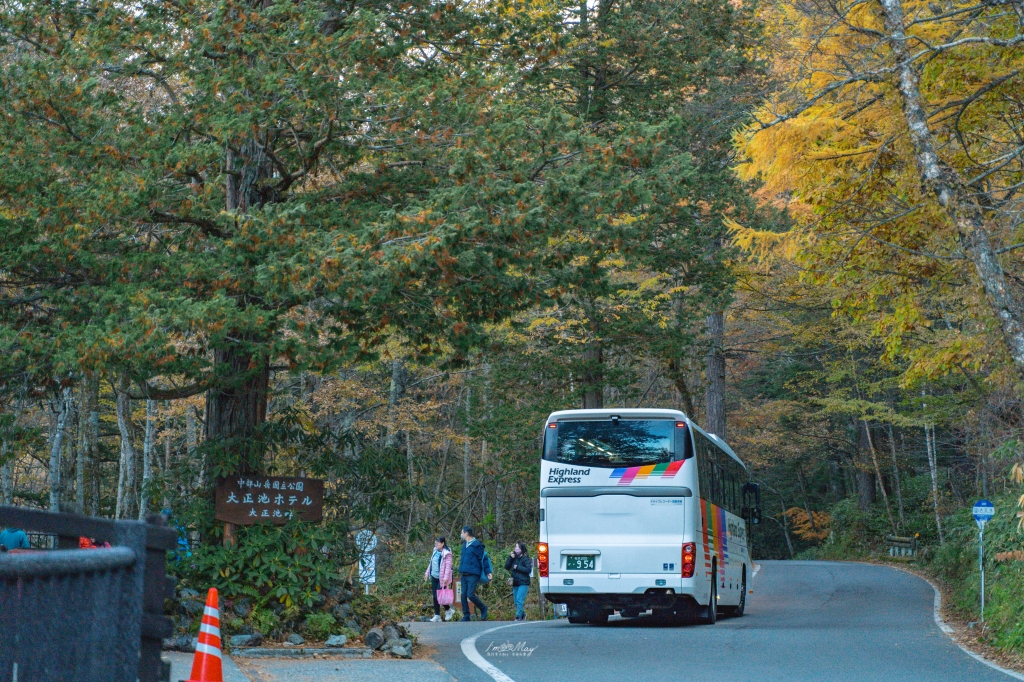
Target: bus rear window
x,y
614,443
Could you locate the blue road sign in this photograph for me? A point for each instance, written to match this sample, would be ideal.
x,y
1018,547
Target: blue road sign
x,y
983,511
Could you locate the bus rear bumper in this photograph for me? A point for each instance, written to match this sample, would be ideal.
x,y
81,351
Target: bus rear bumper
x,y
632,593
636,603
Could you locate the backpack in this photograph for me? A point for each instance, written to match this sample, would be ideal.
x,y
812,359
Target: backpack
x,y
488,569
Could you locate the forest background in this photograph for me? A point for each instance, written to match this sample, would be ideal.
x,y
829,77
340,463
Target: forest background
x,y
377,243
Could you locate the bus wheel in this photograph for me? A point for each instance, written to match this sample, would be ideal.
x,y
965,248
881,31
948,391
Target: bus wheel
x,y
710,615
598,618
737,611
576,616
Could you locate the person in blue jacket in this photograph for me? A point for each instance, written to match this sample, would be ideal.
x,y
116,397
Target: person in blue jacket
x,y
471,566
14,538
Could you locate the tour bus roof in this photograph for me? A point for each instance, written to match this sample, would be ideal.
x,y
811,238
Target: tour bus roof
x,y
605,414
721,443
639,413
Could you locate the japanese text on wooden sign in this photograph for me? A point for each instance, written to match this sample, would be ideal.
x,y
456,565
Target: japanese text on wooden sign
x,y
246,499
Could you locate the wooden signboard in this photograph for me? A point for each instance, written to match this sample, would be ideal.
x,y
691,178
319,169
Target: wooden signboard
x,y
245,499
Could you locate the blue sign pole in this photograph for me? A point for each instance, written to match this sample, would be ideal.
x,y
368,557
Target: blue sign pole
x,y
983,511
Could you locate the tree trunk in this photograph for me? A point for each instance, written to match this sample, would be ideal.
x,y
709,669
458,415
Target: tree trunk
x,y
167,451
444,465
896,478
929,441
236,411
784,524
678,376
807,506
82,446
944,182
147,458
865,475
465,455
412,483
7,468
57,445
192,444
714,391
191,433
593,376
879,478
6,479
836,480
126,464
94,443
398,381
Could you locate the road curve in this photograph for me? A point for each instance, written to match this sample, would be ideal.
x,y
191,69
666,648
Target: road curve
x,y
807,620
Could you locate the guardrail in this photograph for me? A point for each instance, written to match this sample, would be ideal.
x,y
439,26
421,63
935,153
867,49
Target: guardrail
x,y
85,615
42,540
902,547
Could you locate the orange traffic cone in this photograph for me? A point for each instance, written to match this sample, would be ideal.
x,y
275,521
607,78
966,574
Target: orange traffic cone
x,y
206,666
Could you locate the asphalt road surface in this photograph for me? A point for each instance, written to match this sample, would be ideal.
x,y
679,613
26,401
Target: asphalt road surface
x,y
805,621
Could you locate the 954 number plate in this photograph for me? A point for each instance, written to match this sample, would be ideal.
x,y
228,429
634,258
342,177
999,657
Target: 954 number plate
x,y
580,562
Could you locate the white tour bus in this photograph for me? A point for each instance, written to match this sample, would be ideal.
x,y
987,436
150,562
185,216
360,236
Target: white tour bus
x,y
642,509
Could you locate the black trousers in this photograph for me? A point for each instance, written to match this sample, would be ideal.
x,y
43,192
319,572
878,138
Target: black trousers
x,y
435,585
469,595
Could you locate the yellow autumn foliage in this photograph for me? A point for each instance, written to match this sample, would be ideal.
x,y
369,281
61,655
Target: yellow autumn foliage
x,y
804,529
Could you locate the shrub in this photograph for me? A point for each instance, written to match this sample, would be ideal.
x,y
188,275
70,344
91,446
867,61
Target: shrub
x,y
263,619
320,625
287,563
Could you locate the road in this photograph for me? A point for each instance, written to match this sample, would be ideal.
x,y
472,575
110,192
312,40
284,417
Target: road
x,y
805,621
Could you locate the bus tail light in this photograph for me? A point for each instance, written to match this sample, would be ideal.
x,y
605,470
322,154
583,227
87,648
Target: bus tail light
x,y
542,559
689,558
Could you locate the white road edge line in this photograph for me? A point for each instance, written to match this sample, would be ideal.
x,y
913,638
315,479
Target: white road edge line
x,y
470,652
941,622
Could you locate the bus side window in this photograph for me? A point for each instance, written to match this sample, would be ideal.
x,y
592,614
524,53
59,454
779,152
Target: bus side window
x,y
720,476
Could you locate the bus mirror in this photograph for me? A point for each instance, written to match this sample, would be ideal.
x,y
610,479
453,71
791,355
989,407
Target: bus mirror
x,y
752,503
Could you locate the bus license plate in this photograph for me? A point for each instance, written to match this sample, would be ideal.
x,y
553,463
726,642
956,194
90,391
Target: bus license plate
x,y
580,562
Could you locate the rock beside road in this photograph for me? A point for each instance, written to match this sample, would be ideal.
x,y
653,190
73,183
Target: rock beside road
x,y
255,639
402,648
181,643
336,641
295,639
374,638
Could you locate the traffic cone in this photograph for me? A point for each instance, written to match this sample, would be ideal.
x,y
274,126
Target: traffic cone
x,y
206,666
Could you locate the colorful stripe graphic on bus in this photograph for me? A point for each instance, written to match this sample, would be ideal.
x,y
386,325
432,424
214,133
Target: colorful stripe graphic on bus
x,y
716,536
663,470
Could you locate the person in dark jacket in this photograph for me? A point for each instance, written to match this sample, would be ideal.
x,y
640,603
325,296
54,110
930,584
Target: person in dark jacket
x,y
520,565
471,565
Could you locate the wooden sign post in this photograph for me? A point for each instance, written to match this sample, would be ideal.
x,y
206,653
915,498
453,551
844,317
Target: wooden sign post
x,y
245,499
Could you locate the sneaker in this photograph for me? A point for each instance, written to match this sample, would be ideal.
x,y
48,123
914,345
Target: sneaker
x,y
436,618
483,613
449,614
465,619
